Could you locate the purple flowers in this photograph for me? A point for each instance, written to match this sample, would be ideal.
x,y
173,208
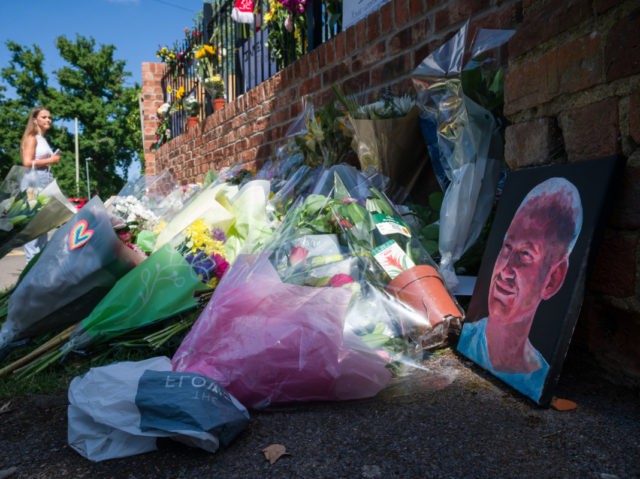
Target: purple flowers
x,y
208,267
294,6
218,234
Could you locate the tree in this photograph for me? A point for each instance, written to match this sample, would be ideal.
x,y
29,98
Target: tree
x,y
27,78
90,88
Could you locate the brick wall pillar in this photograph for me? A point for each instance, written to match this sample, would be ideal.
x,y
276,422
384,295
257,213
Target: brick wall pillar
x,y
150,100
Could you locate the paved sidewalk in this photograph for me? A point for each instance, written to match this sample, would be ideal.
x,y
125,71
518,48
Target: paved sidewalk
x,y
10,268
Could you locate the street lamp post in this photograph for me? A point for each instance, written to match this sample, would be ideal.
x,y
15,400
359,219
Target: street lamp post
x,y
86,162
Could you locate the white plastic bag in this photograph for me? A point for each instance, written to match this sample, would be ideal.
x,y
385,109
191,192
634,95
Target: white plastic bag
x,y
121,409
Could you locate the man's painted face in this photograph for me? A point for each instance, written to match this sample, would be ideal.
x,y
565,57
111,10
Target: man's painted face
x,y
519,273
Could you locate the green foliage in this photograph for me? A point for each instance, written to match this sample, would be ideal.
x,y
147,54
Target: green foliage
x,y
326,141
427,216
90,88
285,46
485,86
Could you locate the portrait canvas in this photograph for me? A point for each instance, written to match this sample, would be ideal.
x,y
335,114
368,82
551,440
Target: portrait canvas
x,y
531,282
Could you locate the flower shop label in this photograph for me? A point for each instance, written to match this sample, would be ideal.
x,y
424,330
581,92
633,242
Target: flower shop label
x,y
388,225
392,258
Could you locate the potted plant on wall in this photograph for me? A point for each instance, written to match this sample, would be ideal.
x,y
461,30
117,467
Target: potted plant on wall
x,y
207,61
192,108
215,89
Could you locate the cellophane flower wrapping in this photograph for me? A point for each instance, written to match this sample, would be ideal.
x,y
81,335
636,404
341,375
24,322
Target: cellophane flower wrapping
x,y
288,159
144,206
206,205
162,286
308,317
81,263
26,215
239,211
174,278
270,342
464,139
392,146
194,260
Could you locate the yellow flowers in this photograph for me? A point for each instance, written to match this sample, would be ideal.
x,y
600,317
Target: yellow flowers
x,y
200,239
166,55
204,51
274,7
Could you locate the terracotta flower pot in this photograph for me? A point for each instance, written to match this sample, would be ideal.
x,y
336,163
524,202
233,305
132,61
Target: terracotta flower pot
x,y
218,104
192,122
423,289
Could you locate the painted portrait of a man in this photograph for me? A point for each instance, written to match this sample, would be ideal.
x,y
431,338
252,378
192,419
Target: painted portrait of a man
x,y
530,268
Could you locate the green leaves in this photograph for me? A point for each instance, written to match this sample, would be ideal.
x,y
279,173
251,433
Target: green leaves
x,y
90,88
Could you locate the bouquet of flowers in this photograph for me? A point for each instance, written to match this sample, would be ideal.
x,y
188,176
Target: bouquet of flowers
x,y
281,341
389,255
191,105
286,30
208,57
130,218
387,139
163,130
171,281
144,206
459,118
314,142
27,214
81,263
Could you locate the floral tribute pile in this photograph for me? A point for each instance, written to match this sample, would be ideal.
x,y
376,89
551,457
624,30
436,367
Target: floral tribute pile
x,y
310,316
188,256
308,279
26,213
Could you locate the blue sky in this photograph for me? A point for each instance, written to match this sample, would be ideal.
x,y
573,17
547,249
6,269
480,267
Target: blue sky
x,y
136,27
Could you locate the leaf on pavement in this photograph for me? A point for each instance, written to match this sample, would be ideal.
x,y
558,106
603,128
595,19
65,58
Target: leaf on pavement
x,y
274,452
563,404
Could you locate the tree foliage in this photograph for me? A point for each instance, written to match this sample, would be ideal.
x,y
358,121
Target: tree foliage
x,y
90,87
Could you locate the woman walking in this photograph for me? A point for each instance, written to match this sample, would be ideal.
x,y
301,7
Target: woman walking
x,y
38,156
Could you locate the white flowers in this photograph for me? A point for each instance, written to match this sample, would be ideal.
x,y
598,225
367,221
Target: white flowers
x,y
133,212
191,105
163,109
393,107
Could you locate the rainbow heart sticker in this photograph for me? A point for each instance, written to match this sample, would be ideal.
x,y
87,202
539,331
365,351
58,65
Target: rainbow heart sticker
x,y
80,234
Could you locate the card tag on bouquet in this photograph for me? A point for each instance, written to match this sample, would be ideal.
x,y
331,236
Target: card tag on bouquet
x,y
388,225
392,258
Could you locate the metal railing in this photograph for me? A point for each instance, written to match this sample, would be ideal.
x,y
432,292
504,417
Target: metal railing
x,y
246,59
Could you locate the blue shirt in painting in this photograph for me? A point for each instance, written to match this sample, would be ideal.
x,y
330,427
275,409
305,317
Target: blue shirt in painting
x,y
473,344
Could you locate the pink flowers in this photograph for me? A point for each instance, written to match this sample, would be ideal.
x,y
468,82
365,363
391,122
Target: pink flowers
x,y
222,265
340,279
298,254
288,23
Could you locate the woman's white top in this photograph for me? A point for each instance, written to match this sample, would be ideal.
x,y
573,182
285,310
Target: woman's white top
x,y
43,150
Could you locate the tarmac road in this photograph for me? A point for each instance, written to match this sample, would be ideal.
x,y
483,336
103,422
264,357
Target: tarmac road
x,y
448,420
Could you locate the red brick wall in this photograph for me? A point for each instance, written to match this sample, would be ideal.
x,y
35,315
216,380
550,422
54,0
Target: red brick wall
x,y
151,99
572,92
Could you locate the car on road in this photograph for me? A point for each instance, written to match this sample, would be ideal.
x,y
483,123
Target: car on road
x,y
78,202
